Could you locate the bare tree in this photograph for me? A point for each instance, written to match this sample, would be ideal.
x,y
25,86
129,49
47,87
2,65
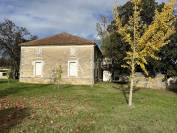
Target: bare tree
x,y
10,38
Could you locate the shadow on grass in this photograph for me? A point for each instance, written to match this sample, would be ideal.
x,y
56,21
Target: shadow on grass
x,y
125,89
3,81
172,87
173,90
11,117
7,91
14,88
63,86
125,93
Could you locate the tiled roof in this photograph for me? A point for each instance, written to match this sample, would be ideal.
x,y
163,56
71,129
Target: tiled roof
x,y
59,39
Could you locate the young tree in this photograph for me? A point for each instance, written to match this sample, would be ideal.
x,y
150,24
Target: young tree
x,y
58,75
112,45
145,40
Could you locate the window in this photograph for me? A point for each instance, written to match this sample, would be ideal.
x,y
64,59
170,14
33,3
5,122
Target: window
x,y
4,74
38,68
72,68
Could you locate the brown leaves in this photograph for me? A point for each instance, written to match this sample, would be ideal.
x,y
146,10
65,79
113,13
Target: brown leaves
x,y
46,112
78,128
11,113
6,103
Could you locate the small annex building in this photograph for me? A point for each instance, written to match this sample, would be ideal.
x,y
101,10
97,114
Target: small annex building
x,y
4,73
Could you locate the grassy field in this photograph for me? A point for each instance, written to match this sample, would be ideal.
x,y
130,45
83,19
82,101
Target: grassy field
x,y
99,109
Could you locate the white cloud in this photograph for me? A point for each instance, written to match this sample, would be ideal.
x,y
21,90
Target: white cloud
x,y
47,17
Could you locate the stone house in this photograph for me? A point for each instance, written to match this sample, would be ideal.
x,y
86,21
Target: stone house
x,y
80,60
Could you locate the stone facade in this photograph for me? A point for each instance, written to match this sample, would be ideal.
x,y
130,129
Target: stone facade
x,y
86,56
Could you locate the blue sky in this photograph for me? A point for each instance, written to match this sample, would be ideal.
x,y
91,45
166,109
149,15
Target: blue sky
x,y
49,17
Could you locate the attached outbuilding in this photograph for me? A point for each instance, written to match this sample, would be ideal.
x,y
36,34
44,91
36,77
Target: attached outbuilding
x,y
79,58
4,73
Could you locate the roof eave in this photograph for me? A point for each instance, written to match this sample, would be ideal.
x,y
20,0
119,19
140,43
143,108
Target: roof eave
x,y
57,44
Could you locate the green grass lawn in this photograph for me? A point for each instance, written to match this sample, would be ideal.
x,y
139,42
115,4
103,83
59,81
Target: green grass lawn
x,y
99,109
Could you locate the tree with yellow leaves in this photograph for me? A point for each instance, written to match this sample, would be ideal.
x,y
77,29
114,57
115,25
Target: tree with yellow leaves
x,y
145,40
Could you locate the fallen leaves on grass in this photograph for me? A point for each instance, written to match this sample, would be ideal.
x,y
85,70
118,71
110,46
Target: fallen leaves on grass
x,y
11,113
6,103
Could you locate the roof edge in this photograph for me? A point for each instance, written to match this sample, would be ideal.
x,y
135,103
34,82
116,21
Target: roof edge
x,y
58,44
38,42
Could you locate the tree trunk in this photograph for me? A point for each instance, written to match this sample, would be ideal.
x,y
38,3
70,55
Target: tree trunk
x,y
131,82
15,69
58,84
133,62
131,91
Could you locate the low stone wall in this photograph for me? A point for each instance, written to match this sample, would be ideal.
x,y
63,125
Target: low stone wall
x,y
157,82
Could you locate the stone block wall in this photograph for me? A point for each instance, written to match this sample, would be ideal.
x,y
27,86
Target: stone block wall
x,y
51,56
157,82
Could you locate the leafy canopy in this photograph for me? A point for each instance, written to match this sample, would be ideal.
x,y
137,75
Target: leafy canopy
x,y
146,40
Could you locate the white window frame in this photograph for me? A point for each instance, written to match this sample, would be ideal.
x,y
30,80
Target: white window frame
x,y
34,68
69,68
